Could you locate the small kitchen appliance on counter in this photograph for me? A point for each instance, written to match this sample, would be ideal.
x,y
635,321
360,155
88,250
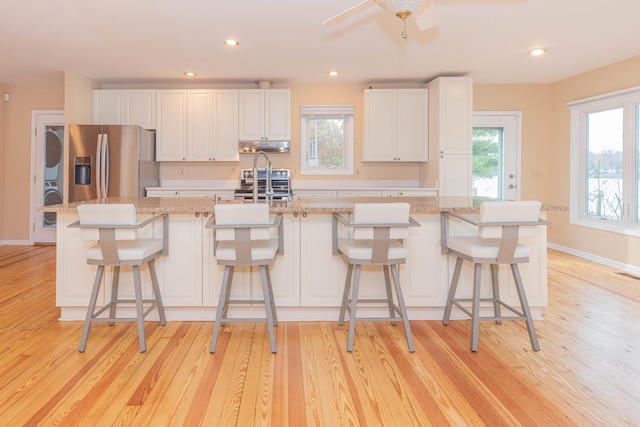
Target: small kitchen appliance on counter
x,y
280,184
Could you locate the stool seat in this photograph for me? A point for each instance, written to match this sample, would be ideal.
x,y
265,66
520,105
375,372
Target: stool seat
x,y
260,250
363,249
129,250
476,247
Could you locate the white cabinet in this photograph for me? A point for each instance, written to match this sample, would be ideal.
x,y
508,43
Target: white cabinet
x,y
197,125
125,107
265,114
163,193
395,125
314,193
450,130
409,193
358,193
171,135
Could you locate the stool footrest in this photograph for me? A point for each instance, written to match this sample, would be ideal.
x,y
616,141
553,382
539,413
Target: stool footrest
x,y
519,314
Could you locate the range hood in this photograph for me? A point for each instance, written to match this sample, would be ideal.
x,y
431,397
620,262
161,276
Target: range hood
x,y
249,147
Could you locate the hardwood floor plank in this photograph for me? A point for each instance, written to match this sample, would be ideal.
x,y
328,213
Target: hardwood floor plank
x,y
586,373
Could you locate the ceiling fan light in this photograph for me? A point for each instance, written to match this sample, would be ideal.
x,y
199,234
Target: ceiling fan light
x,y
401,8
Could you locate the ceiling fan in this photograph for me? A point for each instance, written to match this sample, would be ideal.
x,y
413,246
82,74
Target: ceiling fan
x,y
424,11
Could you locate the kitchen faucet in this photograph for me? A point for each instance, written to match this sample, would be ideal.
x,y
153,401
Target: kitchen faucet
x,y
268,192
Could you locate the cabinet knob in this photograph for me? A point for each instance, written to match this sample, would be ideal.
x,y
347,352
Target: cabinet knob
x,y
197,214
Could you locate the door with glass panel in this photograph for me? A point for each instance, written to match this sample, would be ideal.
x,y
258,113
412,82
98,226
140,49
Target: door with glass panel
x,y
48,174
496,155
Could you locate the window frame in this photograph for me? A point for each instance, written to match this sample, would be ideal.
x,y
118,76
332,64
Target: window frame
x,y
345,112
629,101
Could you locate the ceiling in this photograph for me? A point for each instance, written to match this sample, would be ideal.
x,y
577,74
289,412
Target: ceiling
x,y
155,41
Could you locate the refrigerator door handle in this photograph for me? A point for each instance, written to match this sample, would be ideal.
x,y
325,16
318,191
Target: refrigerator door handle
x,y
99,166
105,165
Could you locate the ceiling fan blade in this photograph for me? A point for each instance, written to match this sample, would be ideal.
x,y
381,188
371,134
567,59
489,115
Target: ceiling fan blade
x,y
348,13
427,17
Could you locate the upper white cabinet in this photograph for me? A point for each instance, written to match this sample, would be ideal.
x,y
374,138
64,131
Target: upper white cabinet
x,y
396,125
197,125
265,114
171,135
125,107
450,135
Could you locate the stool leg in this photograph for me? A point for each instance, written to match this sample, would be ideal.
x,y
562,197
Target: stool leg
x,y
91,308
267,305
227,296
222,302
496,293
475,308
354,303
345,294
156,291
387,282
273,303
452,291
139,308
403,308
114,294
525,307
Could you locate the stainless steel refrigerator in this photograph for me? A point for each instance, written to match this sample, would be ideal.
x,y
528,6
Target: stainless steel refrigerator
x,y
111,160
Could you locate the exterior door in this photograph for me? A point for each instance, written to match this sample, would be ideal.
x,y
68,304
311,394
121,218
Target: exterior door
x,y
47,171
496,155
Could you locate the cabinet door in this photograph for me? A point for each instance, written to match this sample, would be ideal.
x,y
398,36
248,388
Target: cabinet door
x,y
225,125
140,108
108,107
412,125
200,125
455,176
171,135
180,272
379,125
277,121
251,114
322,274
358,193
456,116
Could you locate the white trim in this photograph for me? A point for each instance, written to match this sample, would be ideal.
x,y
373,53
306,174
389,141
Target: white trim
x,y
619,95
595,258
15,243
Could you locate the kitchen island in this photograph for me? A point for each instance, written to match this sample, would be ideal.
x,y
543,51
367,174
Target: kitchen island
x,y
307,279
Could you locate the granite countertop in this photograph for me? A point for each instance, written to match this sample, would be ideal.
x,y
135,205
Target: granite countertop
x,y
185,205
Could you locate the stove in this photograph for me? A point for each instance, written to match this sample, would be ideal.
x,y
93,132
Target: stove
x,y
280,184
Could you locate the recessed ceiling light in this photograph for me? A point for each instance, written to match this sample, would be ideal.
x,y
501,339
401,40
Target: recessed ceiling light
x,y
231,42
537,51
333,73
190,74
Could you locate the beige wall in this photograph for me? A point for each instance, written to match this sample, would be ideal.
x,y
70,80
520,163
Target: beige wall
x,y
3,112
614,77
16,165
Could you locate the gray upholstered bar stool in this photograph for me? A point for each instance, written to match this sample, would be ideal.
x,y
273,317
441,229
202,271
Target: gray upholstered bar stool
x,y
115,228
499,224
245,236
377,233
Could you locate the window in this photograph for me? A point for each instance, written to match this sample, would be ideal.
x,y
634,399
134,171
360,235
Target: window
x,y
327,140
496,159
605,162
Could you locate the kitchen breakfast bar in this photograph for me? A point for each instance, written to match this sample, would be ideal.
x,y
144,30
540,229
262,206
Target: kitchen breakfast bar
x,y
308,278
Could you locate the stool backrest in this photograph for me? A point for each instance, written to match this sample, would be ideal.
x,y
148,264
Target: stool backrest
x,y
506,212
242,215
108,215
380,213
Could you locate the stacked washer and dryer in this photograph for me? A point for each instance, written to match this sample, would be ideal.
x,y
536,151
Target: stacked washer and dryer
x,y
53,171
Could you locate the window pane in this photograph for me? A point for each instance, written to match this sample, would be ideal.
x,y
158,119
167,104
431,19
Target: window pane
x,y
487,162
326,142
604,164
637,164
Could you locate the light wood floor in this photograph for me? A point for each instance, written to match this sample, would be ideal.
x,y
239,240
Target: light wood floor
x,y
588,372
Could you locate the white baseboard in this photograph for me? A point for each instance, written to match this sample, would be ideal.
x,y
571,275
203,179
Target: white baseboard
x,y
595,258
15,243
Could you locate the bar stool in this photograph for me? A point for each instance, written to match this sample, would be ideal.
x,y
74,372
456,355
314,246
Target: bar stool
x,y
115,227
499,224
243,237
377,230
